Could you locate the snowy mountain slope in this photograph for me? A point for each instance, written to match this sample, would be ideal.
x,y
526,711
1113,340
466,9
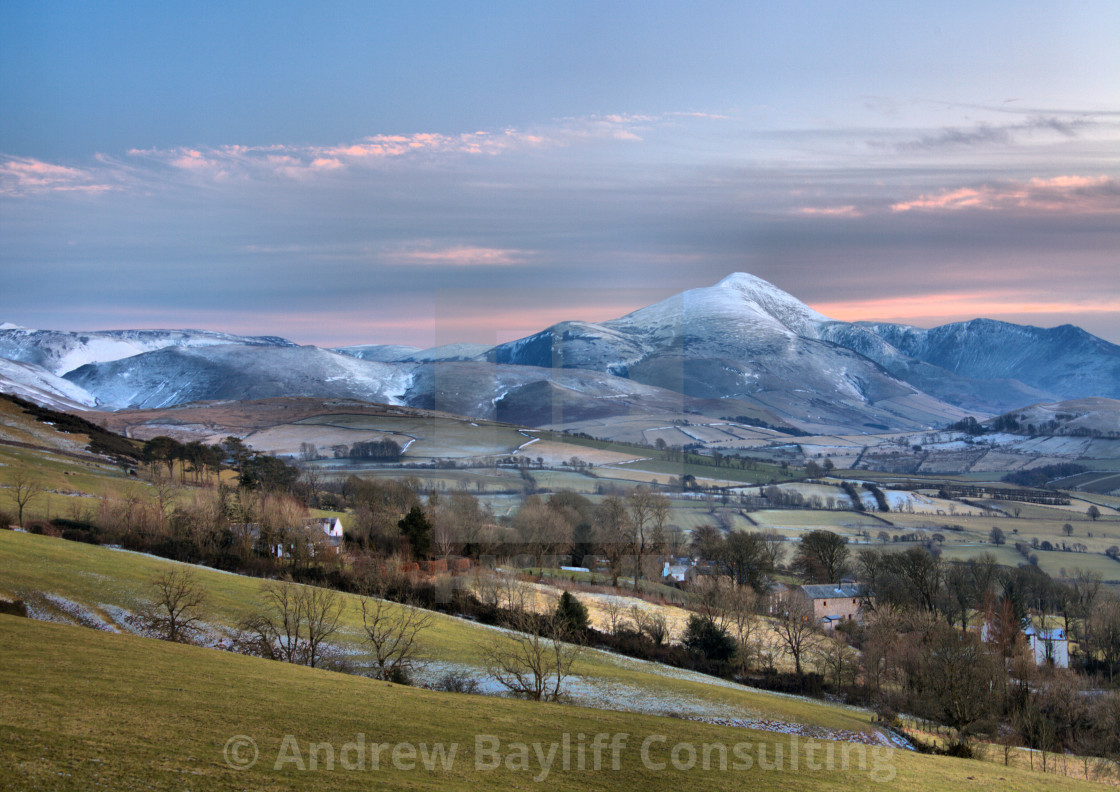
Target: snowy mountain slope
x,y
35,383
743,339
61,351
383,353
573,345
175,375
449,352
740,315
537,396
1063,362
742,344
982,394
739,306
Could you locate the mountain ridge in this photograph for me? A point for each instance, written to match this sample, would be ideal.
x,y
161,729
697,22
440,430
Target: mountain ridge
x,y
742,342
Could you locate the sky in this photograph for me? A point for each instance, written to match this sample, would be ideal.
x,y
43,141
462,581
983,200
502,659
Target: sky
x,y
427,173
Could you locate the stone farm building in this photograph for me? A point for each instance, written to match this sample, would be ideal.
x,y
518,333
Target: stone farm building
x,y
834,602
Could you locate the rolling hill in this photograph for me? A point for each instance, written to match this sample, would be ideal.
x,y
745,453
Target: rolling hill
x,y
740,347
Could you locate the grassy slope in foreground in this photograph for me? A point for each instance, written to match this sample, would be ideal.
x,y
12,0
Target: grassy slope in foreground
x,y
102,580
81,709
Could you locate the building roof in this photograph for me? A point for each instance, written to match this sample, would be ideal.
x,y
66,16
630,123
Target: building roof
x,y
1048,634
832,591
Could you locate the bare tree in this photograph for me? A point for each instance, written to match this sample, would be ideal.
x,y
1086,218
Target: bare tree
x,y
796,628
838,660
655,627
821,556
178,598
660,508
486,588
323,609
535,660
614,610
960,677
510,591
647,520
774,546
612,526
24,489
392,630
711,595
741,606
543,531
281,623
296,621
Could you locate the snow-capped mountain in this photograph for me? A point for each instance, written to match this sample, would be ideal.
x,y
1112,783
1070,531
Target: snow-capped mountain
x,y
1064,362
741,346
178,374
383,353
61,351
742,338
35,383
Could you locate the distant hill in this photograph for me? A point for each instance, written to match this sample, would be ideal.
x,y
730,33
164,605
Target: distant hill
x,y
1074,418
742,346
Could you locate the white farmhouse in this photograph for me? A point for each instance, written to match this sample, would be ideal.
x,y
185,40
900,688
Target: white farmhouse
x,y
1049,645
332,530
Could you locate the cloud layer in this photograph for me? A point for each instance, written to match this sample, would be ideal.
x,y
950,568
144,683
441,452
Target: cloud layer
x,y
485,235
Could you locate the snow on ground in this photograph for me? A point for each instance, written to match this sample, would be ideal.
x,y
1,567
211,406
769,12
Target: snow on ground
x,y
54,608
655,700
623,697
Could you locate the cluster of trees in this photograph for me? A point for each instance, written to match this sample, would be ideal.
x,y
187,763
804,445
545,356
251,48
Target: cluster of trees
x,y
815,470
749,421
748,558
853,495
1015,424
1043,475
386,450
922,653
202,463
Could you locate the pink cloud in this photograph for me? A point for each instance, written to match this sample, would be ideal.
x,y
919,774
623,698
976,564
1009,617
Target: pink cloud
x,y
833,211
190,159
20,175
1073,194
462,256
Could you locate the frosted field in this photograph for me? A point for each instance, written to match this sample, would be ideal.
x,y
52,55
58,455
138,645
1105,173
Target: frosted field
x,y
433,437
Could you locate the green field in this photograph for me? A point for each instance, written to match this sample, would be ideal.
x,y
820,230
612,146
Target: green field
x,y
104,582
81,709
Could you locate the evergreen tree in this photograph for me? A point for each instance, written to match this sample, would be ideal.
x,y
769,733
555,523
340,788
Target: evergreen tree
x,y
418,530
571,614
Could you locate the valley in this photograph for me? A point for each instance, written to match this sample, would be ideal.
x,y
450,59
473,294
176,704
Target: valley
x,y
740,417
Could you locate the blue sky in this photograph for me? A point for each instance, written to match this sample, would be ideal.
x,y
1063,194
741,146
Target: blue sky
x,y
425,173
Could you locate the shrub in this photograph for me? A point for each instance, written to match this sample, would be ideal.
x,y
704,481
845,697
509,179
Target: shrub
x,y
400,676
456,682
77,531
16,608
709,639
42,528
571,613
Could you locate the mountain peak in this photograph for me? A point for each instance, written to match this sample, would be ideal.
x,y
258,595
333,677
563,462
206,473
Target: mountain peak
x,y
740,280
773,301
